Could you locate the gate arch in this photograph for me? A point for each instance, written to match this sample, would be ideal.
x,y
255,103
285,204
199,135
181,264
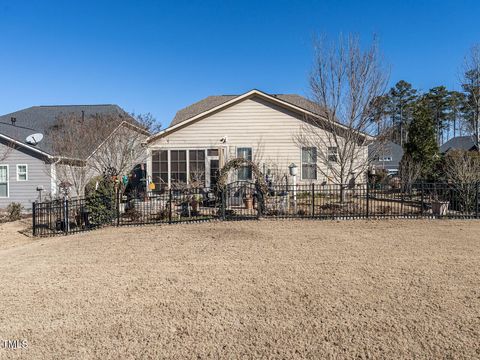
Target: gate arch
x,y
235,164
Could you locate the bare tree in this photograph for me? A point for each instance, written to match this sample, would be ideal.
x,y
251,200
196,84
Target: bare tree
x,y
462,169
104,144
410,171
119,149
471,85
6,148
346,82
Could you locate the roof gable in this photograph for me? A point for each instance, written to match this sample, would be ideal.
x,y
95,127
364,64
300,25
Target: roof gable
x,y
211,102
459,143
214,104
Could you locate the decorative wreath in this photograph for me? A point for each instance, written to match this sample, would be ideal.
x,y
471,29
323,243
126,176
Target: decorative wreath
x,y
237,163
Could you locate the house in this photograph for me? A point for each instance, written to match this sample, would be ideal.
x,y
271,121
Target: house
x,y
466,143
256,126
30,165
386,155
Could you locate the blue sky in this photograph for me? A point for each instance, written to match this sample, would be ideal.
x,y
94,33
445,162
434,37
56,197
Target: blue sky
x,y
154,56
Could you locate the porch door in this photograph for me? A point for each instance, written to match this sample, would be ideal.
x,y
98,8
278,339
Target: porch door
x,y
214,172
213,167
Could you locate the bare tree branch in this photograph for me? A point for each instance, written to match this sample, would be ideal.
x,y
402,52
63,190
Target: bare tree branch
x,y
346,82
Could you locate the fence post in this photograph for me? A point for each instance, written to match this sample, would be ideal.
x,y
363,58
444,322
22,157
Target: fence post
x,y
476,200
65,217
170,202
34,218
118,207
368,199
422,199
313,200
224,202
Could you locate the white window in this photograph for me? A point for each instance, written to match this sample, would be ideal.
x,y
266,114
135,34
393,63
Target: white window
x,y
3,180
385,158
332,154
309,163
22,172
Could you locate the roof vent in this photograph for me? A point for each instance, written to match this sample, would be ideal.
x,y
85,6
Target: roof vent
x,y
13,120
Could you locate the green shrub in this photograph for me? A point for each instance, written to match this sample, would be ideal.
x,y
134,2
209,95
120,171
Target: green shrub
x,y
101,200
14,211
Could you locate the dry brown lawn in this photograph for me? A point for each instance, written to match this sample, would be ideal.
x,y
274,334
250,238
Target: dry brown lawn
x,y
260,289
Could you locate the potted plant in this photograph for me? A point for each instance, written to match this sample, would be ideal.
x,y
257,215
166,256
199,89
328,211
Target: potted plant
x,y
248,201
195,202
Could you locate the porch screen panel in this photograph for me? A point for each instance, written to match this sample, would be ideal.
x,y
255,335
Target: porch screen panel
x,y
197,166
178,166
160,168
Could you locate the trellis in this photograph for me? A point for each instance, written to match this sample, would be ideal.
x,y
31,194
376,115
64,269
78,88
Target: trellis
x,y
236,164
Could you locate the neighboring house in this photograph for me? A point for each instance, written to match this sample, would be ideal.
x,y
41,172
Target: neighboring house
x,y
257,126
386,155
459,143
26,167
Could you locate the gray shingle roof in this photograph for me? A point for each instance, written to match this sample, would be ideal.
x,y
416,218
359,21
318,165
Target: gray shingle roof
x,y
383,150
40,119
459,143
213,101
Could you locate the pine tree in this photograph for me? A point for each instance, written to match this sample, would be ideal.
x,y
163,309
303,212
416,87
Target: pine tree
x,y
456,101
401,98
422,145
438,101
471,109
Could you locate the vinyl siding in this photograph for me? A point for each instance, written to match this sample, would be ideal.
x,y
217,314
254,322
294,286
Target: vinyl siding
x,y
268,129
25,192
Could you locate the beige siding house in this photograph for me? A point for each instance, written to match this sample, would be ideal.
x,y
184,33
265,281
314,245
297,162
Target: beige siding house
x,y
255,125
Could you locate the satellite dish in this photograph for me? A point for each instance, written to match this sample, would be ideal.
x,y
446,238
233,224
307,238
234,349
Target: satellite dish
x,y
34,139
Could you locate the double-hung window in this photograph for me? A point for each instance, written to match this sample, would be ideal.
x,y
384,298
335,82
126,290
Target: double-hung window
x,y
3,181
332,152
22,172
245,172
309,163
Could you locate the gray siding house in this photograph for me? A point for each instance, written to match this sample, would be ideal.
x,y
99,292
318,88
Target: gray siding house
x,y
27,167
386,156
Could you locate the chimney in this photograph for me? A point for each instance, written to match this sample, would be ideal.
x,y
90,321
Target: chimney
x,y
13,119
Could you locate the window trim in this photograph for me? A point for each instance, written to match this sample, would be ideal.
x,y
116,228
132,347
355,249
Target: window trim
x,y
8,181
302,162
26,172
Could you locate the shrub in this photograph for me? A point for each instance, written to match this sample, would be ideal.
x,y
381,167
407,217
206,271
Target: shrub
x,y
100,200
14,211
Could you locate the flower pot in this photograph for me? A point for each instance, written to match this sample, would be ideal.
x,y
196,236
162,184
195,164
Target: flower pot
x,y
248,203
195,206
440,208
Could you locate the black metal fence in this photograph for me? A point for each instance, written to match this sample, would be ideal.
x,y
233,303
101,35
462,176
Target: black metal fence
x,y
243,200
